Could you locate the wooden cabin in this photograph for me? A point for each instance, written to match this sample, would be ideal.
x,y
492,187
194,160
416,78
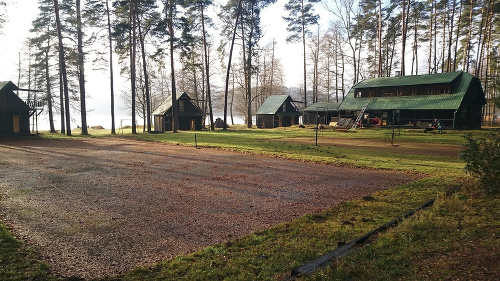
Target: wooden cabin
x,y
321,113
455,98
14,112
278,111
190,115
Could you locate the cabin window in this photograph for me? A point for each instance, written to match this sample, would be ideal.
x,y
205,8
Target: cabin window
x,y
181,106
445,90
358,94
284,107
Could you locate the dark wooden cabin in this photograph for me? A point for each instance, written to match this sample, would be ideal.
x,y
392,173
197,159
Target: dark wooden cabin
x,y
14,112
278,111
455,98
190,115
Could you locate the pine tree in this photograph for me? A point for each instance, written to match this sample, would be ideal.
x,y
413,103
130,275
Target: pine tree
x,y
41,44
63,72
301,16
251,34
230,10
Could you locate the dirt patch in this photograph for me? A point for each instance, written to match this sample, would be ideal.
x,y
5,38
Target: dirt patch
x,y
97,207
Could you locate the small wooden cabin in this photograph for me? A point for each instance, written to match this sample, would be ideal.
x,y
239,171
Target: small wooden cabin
x,y
190,115
278,111
14,112
454,98
321,113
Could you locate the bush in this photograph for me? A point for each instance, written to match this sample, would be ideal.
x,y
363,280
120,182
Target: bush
x,y
482,158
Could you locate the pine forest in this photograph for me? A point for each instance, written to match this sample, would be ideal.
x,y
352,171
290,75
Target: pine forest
x,y
219,52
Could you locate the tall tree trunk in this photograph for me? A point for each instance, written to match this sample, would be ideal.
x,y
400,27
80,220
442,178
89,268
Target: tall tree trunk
x,y
247,69
304,52
449,65
81,69
457,37
403,37
414,62
481,40
342,79
111,79
147,115
207,68
435,62
48,97
232,101
132,40
379,40
465,63
238,13
271,84
61,99
429,60
63,69
170,23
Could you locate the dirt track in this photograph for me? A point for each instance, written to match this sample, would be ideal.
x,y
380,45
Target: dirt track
x,y
97,207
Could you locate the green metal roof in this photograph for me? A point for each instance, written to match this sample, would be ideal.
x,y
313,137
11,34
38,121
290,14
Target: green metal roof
x,y
323,106
167,104
421,102
272,104
163,107
428,79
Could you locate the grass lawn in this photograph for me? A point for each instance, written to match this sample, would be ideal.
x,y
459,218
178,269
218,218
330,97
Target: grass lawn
x,y
457,238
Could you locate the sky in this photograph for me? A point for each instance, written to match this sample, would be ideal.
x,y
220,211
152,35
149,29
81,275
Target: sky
x,y
22,12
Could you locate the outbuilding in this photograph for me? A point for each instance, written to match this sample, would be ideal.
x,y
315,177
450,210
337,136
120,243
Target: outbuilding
x,y
190,115
278,111
455,99
14,112
322,113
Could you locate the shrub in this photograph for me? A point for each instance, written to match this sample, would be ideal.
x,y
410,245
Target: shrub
x,y
482,159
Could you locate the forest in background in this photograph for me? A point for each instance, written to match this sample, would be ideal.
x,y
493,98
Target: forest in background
x,y
213,50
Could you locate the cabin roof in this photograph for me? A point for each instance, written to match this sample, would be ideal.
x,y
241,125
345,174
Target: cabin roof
x,y
461,83
4,85
323,106
272,104
428,79
167,104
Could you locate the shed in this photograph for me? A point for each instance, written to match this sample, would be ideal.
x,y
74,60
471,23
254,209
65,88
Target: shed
x,y
455,98
190,115
278,111
321,113
14,112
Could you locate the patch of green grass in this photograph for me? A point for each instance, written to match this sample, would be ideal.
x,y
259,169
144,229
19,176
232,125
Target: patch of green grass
x,y
279,143
456,239
18,262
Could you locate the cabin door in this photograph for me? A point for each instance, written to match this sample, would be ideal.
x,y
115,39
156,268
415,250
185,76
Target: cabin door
x,y
16,128
280,122
192,124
